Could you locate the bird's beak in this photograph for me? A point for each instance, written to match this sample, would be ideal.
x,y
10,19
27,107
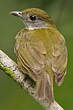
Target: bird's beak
x,y
16,13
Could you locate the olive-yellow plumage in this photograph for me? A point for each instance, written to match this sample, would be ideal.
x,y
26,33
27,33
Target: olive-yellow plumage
x,y
41,51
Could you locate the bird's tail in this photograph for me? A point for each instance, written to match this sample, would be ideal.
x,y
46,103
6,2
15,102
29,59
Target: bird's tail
x,y
45,88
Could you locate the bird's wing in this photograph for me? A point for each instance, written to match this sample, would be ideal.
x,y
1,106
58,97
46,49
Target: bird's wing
x,y
31,56
59,60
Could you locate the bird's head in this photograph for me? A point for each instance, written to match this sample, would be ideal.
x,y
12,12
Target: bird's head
x,y
34,18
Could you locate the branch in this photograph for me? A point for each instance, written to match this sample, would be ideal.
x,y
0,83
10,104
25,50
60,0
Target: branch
x,y
10,68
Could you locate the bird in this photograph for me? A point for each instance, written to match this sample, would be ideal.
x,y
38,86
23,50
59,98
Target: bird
x,y
41,51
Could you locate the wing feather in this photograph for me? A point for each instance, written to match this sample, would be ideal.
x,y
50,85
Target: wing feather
x,y
59,60
31,56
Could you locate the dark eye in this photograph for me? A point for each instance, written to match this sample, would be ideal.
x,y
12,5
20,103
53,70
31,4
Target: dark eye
x,y
33,17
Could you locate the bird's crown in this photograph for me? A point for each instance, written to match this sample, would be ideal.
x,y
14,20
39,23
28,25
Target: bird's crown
x,y
38,12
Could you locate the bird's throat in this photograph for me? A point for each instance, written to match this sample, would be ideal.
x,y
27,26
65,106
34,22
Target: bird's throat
x,y
32,28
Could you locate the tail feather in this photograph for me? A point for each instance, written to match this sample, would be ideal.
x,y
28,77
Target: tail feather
x,y
45,88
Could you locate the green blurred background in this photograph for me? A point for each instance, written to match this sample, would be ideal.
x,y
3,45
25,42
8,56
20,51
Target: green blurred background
x,y
12,96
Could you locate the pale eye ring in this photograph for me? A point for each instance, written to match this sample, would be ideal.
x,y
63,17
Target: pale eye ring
x,y
33,17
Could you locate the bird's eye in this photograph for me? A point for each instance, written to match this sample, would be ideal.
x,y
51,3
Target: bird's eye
x,y
33,17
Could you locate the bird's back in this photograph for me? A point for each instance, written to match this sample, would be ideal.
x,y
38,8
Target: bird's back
x,y
49,43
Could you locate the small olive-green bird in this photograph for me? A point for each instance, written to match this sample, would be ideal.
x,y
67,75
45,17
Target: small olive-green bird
x,y
41,51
